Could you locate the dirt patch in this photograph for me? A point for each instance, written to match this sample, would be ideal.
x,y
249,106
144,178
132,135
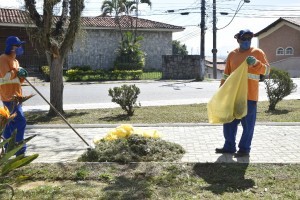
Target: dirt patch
x,y
35,184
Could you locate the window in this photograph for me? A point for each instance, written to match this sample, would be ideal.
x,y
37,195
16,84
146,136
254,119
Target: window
x,y
289,51
279,51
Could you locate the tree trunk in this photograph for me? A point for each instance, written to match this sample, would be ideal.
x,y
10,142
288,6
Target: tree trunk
x,y
56,86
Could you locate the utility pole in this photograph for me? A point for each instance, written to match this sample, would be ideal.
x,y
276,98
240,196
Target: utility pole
x,y
214,50
202,44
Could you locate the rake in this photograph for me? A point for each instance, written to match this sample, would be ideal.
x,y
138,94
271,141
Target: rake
x,y
57,112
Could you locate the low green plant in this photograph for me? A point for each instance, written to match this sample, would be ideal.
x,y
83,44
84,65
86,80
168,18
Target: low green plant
x,y
78,74
83,67
129,54
278,85
81,174
7,163
125,96
127,74
45,70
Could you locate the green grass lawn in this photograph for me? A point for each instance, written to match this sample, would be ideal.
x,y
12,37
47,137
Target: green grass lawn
x,y
287,111
171,181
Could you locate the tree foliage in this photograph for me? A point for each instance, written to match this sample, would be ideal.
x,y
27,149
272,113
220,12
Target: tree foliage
x,y
278,86
129,54
57,35
178,48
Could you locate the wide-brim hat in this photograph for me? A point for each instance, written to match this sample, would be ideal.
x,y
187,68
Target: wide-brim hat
x,y
243,32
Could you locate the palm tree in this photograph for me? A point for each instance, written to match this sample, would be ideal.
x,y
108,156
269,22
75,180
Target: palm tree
x,y
120,7
134,6
115,7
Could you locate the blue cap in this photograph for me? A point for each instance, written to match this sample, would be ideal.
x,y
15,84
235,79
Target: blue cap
x,y
243,32
11,41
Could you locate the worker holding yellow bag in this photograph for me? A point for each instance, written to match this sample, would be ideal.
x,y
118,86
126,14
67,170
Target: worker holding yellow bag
x,y
238,94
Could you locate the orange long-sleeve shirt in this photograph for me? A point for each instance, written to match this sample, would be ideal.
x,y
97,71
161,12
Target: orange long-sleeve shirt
x,y
10,84
235,59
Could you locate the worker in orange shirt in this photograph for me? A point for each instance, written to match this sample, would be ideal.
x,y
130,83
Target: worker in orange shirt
x,y
11,78
257,65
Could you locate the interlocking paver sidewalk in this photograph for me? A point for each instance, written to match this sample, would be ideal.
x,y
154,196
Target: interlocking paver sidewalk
x,y
272,143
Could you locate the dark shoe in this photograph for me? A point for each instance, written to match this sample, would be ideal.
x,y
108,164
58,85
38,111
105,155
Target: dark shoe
x,y
241,154
222,150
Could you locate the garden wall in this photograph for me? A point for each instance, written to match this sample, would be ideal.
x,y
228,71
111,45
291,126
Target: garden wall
x,y
181,67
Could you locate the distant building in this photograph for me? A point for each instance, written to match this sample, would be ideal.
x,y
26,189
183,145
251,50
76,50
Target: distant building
x,y
281,43
209,67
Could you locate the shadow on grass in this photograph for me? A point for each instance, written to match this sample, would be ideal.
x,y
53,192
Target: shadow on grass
x,y
134,187
224,177
121,117
277,112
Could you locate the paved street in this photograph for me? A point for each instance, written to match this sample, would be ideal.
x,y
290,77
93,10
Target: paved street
x,y
272,143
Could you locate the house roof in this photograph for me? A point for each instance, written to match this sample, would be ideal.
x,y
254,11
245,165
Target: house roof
x,y
221,63
16,17
293,20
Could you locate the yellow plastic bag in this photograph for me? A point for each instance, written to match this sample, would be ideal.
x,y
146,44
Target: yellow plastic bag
x,y
230,101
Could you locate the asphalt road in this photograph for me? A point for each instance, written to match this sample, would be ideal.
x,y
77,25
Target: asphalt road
x,y
152,93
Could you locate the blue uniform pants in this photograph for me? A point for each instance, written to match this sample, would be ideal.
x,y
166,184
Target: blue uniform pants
x,y
19,123
248,123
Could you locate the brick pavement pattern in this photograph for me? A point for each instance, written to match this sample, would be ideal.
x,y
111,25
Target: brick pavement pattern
x,y
272,143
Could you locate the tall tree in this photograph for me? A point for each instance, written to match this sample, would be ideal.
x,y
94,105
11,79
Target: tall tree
x,y
57,36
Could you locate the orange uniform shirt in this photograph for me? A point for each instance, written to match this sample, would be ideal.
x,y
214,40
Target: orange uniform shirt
x,y
10,84
235,59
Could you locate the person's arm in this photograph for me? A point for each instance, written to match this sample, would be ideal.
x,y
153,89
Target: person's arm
x,y
261,65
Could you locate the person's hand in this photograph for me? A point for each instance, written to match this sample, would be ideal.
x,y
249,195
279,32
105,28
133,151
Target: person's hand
x,y
251,60
22,73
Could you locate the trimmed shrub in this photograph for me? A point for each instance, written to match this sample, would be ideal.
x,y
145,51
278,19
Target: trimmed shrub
x,y
125,96
278,86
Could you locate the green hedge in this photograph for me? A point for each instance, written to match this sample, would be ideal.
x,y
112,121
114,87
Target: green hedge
x,y
99,74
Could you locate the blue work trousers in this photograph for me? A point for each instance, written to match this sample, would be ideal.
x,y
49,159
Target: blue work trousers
x,y
248,123
19,123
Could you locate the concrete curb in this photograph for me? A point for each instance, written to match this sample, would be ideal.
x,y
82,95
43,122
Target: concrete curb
x,y
63,126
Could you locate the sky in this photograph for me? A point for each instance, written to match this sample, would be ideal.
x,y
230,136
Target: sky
x,y
255,15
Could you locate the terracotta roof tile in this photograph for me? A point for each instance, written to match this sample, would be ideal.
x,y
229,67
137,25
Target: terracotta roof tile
x,y
15,16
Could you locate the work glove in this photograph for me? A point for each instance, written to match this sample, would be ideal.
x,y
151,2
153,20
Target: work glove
x,y
251,60
22,73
